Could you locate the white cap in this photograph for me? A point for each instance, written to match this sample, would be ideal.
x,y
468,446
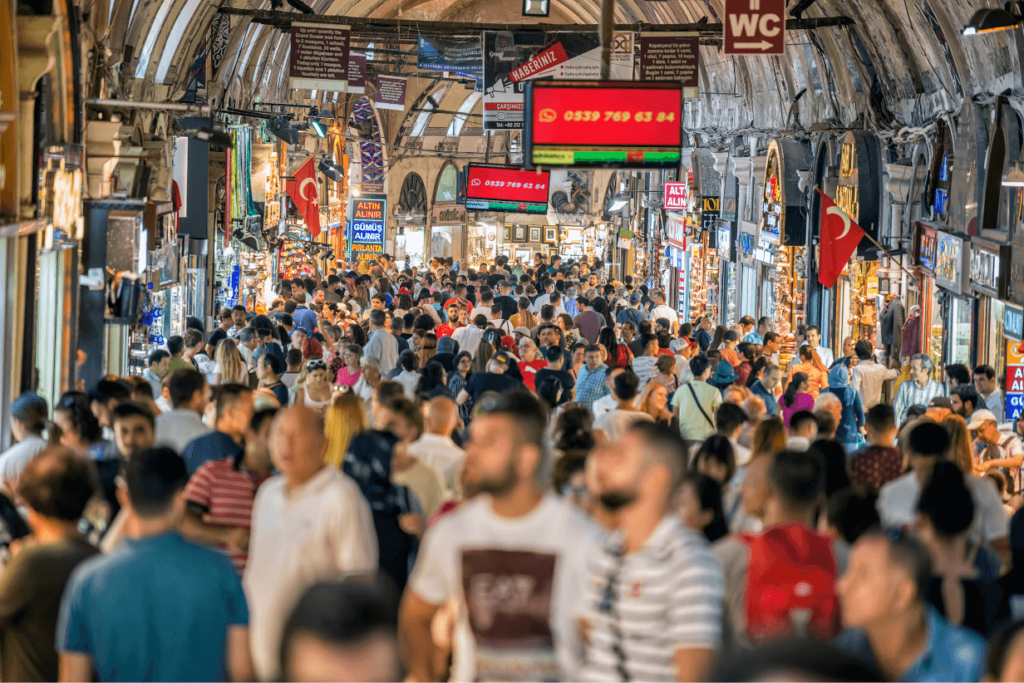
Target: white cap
x,y
980,417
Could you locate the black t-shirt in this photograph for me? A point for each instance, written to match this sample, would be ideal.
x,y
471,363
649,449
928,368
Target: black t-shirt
x,y
482,382
216,337
562,376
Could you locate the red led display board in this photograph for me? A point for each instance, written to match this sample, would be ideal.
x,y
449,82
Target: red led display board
x,y
603,124
506,188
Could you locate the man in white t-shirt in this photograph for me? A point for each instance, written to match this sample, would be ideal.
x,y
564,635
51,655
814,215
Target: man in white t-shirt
x,y
309,524
927,443
661,310
513,555
608,403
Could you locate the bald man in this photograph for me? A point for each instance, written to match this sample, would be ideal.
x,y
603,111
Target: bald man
x,y
310,523
435,447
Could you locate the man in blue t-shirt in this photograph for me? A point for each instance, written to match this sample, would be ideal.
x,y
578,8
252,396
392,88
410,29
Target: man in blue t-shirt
x,y
158,608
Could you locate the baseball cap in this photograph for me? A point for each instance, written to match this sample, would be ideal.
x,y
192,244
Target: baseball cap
x,y
940,402
525,331
980,417
664,322
634,297
502,358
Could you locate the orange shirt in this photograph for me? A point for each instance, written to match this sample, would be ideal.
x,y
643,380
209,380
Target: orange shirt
x,y
816,379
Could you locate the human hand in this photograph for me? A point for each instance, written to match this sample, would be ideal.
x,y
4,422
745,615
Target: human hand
x,y
411,523
237,539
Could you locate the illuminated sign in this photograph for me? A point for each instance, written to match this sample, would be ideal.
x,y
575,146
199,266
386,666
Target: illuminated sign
x,y
848,194
1014,380
1013,322
674,198
506,188
603,124
367,228
988,266
926,247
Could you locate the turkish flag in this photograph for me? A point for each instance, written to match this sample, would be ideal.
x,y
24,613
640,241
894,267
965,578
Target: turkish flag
x,y
839,239
302,188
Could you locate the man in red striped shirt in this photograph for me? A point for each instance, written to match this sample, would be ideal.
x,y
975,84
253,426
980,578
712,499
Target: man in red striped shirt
x,y
220,494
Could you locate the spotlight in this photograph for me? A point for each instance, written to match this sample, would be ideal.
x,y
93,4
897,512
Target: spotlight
x,y
318,128
1015,178
619,201
993,20
331,170
216,138
282,129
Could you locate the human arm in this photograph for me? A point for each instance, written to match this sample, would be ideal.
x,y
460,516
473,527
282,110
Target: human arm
x,y
858,408
1014,461
693,663
75,667
417,645
462,397
238,655
193,526
15,588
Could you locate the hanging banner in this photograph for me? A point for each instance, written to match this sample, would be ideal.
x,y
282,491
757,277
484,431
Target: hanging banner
x,y
449,55
1014,380
671,57
510,59
390,93
319,57
357,74
367,228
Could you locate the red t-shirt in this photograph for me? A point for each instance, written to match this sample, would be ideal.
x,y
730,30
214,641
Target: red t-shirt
x,y
446,329
529,371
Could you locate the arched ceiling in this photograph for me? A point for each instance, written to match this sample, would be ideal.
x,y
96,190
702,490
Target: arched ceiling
x,y
902,64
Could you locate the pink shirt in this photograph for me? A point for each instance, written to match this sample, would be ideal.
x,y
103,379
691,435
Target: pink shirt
x,y
348,378
801,401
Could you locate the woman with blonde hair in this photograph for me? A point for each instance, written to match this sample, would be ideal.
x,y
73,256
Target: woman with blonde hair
x,y
769,437
428,349
344,419
653,400
960,443
230,367
524,318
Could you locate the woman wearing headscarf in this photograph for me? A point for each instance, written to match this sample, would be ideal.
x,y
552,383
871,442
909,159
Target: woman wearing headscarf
x,y
852,419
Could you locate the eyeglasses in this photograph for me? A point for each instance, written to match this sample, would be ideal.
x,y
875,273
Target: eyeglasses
x,y
317,364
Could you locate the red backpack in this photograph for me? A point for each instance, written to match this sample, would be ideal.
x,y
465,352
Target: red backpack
x,y
790,584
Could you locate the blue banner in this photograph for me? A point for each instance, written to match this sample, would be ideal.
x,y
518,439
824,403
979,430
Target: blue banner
x,y
462,57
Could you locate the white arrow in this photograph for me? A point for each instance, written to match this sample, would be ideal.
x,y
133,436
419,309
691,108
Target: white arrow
x,y
762,46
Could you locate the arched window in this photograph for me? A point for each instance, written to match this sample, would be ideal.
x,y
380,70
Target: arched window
x,y
446,183
459,120
413,197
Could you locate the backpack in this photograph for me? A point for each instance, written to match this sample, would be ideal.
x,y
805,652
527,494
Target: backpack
x,y
790,584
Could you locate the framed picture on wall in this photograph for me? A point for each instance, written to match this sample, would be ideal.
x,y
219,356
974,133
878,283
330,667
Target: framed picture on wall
x,y
550,234
507,233
519,233
535,234
523,254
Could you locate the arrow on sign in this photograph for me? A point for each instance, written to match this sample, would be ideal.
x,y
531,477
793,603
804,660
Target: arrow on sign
x,y
763,45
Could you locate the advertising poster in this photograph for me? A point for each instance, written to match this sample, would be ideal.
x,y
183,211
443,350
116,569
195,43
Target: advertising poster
x,y
367,228
1014,380
511,59
461,57
319,57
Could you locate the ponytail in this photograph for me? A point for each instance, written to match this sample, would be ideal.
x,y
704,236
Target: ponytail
x,y
794,385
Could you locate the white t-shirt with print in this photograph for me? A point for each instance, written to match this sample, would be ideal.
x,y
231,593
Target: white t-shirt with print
x,y
520,581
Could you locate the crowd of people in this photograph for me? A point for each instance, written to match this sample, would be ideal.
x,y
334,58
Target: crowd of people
x,y
517,472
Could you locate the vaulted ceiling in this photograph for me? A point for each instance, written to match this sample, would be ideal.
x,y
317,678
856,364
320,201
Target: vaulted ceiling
x,y
902,64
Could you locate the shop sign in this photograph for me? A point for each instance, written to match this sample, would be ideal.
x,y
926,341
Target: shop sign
x,y
367,228
511,59
1013,322
319,57
949,262
1014,380
927,245
725,243
675,229
755,27
710,214
988,265
730,194
671,57
674,196
463,57
447,214
765,252
782,215
746,247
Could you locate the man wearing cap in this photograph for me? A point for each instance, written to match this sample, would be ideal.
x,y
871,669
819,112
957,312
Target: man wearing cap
x,y
634,313
509,306
939,408
996,448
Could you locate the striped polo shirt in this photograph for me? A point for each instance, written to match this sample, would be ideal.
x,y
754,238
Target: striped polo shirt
x,y
640,608
226,494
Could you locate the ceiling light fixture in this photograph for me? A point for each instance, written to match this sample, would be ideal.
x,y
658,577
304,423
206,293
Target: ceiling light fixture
x,y
619,201
993,20
318,128
331,170
282,129
1015,178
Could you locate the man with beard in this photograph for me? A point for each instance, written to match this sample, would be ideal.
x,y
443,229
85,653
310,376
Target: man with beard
x,y
514,555
652,610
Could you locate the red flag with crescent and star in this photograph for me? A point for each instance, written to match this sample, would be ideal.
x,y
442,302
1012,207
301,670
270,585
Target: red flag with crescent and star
x,y
302,188
839,239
